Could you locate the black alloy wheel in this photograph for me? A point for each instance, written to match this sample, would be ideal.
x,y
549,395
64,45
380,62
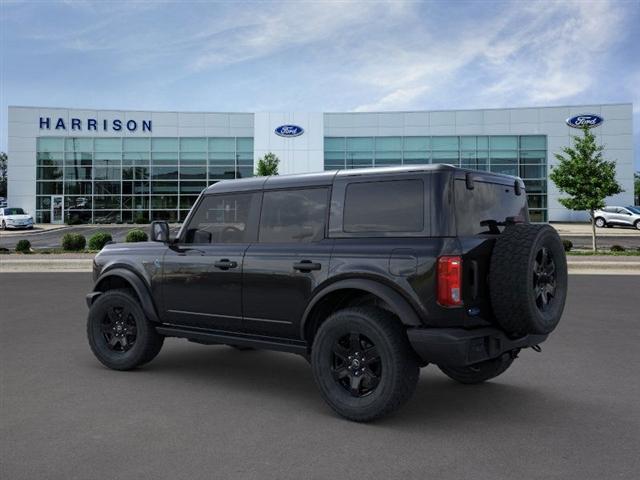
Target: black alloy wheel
x,y
363,363
119,333
544,278
119,329
356,364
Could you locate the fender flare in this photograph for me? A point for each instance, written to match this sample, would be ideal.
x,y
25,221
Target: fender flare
x,y
138,285
399,305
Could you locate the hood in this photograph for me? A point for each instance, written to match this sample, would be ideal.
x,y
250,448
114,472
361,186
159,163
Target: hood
x,y
18,217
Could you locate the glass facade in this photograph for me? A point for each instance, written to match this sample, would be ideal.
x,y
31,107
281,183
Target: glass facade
x,y
521,155
111,180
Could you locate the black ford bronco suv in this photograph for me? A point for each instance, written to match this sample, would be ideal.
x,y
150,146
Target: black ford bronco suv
x,y
370,274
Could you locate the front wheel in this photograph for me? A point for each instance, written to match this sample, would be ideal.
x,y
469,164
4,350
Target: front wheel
x,y
363,363
119,333
480,372
4,225
600,222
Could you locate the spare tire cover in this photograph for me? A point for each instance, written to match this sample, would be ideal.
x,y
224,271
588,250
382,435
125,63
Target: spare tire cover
x,y
528,279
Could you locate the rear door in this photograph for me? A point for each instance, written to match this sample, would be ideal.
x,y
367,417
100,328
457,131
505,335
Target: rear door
x,y
202,273
289,260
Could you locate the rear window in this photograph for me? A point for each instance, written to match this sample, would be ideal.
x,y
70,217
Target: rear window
x,y
487,201
390,206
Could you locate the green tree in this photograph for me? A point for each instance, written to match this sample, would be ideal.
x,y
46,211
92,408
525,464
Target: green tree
x,y
3,174
267,165
636,188
585,177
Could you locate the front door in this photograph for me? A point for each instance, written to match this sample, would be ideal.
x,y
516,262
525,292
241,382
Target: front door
x,y
57,209
202,272
290,259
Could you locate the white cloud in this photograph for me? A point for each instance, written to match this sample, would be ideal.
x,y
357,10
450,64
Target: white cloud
x,y
525,55
259,32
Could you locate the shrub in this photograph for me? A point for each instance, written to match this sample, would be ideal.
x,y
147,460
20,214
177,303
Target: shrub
x,y
73,242
567,244
99,240
617,248
23,246
136,235
141,219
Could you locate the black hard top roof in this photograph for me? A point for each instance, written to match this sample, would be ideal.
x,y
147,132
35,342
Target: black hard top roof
x,y
327,177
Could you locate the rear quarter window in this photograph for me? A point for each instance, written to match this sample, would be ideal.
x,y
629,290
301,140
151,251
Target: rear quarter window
x,y
392,206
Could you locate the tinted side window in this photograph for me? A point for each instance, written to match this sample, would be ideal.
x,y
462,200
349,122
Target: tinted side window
x,y
293,215
224,219
390,206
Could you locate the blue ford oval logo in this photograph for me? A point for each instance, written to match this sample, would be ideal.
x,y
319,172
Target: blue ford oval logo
x,y
289,131
587,120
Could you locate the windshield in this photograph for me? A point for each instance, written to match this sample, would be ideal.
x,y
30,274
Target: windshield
x,y
13,211
634,209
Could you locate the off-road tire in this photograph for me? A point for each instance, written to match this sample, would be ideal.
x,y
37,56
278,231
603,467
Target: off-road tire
x,y
147,342
397,362
480,372
519,285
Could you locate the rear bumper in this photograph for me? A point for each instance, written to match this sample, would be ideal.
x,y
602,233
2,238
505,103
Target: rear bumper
x,y
457,347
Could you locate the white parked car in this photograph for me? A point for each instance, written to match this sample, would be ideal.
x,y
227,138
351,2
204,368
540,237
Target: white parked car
x,y
623,216
15,218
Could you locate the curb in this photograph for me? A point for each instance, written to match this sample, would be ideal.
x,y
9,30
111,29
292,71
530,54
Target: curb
x,y
49,265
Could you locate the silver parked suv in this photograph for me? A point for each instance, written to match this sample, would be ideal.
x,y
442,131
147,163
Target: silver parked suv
x,y
623,216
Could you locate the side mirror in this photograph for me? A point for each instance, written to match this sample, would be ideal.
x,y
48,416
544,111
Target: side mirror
x,y
160,231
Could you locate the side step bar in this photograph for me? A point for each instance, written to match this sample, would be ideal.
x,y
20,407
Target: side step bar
x,y
213,337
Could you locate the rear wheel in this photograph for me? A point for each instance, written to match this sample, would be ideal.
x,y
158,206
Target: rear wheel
x,y
480,372
363,364
600,222
637,224
119,333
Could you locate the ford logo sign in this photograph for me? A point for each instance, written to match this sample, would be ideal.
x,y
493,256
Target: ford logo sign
x,y
587,120
289,131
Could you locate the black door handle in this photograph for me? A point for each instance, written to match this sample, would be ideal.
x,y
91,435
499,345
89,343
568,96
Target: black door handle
x,y
225,264
306,266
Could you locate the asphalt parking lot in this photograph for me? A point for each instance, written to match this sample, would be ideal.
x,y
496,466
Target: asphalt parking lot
x,y
196,411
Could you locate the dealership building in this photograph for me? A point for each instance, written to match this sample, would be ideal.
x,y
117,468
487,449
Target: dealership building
x,y
107,166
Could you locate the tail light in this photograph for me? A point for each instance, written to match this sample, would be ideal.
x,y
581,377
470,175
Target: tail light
x,y
450,281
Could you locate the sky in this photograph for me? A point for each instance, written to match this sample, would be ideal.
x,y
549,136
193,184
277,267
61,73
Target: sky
x,y
318,55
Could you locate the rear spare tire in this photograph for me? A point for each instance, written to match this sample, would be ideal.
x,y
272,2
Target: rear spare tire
x,y
528,279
